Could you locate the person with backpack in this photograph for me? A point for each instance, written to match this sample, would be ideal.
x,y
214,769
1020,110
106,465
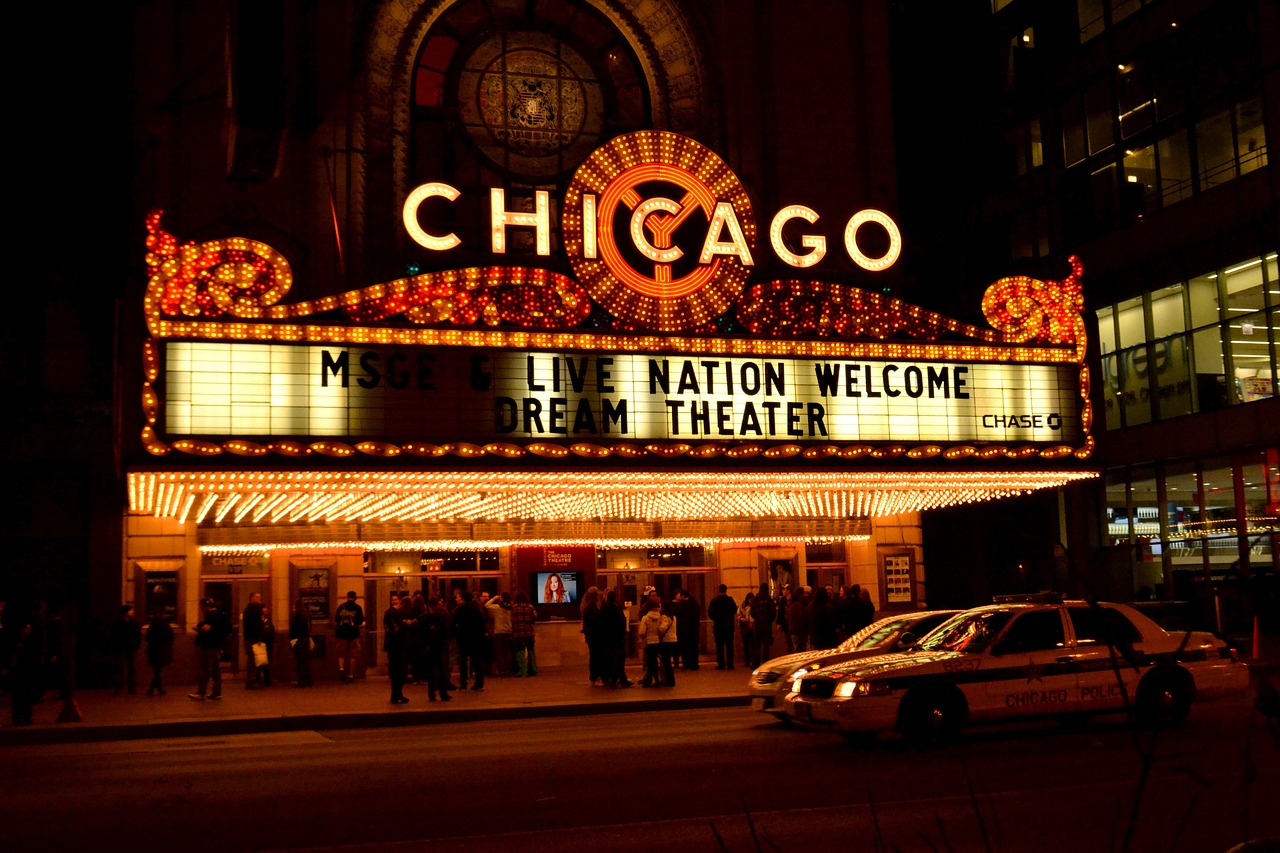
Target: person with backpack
x,y
348,619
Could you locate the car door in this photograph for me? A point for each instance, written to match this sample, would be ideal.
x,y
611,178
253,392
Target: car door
x,y
1106,650
1030,670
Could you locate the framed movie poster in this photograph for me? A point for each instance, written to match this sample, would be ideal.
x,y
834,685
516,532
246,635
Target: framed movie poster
x,y
896,572
313,588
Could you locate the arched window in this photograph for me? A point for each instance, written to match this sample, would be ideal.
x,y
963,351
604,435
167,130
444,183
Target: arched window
x,y
503,99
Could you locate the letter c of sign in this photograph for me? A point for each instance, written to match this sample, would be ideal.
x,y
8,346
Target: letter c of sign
x,y
411,205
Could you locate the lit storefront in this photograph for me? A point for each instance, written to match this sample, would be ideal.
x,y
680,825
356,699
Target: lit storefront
x,y
467,428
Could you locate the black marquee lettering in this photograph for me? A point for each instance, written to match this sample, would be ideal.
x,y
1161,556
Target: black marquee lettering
x,y
337,366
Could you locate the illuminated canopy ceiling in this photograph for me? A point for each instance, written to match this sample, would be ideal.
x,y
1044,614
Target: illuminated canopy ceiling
x,y
266,507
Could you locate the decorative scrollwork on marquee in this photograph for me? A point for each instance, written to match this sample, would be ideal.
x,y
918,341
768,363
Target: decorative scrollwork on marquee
x,y
234,277
791,307
1026,309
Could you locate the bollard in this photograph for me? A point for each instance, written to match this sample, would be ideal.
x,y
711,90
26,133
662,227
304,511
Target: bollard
x,y
1257,640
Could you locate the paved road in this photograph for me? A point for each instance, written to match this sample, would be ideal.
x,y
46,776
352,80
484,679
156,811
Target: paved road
x,y
723,779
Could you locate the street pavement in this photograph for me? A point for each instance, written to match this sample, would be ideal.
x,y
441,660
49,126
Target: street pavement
x,y
563,691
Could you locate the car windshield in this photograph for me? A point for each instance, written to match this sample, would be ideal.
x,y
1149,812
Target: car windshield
x,y
967,632
872,635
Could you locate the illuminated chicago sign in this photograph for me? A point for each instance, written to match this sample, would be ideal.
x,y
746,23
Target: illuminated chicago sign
x,y
503,361
612,230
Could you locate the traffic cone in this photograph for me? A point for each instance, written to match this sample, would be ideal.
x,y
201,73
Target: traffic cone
x,y
1257,640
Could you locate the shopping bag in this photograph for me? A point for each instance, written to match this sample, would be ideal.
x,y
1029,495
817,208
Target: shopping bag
x,y
259,654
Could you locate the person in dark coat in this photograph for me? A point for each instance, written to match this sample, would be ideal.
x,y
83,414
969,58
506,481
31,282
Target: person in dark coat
x,y
763,614
468,631
688,628
591,632
300,643
433,634
798,620
211,640
393,640
23,664
823,621
125,640
780,605
848,610
159,639
611,638
723,611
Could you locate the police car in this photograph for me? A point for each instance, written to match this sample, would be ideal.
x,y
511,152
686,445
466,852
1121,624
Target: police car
x,y
1021,657
771,681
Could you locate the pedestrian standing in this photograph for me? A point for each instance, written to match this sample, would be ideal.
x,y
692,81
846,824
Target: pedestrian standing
x,y
499,608
866,609
780,605
300,643
251,633
159,639
590,608
823,621
125,640
24,668
268,640
611,638
670,647
747,629
416,645
722,611
211,639
763,614
433,633
347,621
468,632
798,620
393,631
523,615
653,625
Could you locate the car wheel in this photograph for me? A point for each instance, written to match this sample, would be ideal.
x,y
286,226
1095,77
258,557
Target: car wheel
x,y
930,719
1163,700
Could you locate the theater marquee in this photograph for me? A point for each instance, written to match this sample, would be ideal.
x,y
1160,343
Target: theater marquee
x,y
500,361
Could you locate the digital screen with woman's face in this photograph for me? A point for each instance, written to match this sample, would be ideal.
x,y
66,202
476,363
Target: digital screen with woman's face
x,y
555,587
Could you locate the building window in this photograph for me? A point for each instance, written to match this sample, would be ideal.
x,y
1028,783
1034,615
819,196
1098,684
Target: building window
x,y
1195,535
1215,152
1174,157
1137,110
516,96
1251,137
1193,347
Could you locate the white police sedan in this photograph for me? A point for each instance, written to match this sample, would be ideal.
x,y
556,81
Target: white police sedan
x,y
771,681
1024,656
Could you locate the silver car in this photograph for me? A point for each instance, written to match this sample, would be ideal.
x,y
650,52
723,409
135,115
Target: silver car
x,y
771,681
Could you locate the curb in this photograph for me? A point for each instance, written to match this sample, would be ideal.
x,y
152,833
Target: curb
x,y
367,719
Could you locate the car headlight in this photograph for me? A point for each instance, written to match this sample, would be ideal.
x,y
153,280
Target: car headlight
x,y
862,688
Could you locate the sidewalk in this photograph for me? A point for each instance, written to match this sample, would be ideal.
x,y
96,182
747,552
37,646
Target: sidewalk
x,y
554,692
559,692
